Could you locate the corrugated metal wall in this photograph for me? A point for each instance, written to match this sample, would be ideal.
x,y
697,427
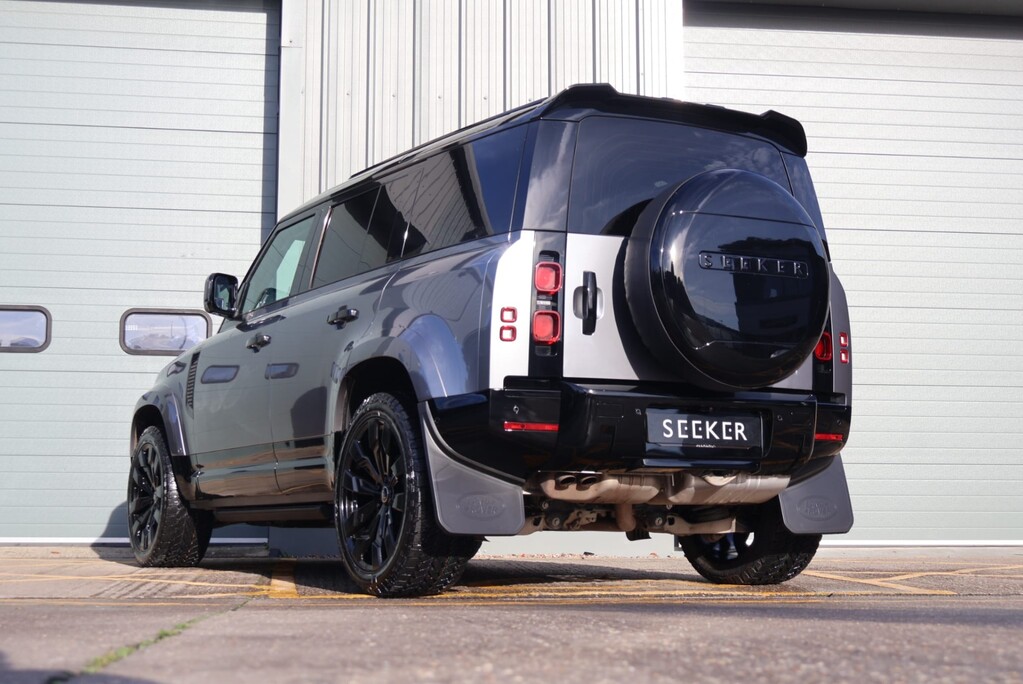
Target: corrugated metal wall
x,y
381,76
137,154
914,128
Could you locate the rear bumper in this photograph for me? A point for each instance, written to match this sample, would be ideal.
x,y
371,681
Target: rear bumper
x,y
603,427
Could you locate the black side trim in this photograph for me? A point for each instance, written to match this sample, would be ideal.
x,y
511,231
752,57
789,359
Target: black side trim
x,y
193,366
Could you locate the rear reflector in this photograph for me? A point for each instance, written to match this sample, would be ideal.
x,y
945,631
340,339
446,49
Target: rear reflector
x,y
509,426
546,327
824,437
824,351
547,277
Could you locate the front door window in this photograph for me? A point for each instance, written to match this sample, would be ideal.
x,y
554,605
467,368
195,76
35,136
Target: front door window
x,y
277,274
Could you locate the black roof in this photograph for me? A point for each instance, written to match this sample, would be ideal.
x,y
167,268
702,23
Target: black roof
x,y
579,101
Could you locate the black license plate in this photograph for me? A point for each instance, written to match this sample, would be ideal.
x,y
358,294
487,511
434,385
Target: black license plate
x,y
703,430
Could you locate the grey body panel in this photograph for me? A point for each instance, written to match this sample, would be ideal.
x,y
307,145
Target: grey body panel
x,y
434,319
819,504
468,501
307,356
230,437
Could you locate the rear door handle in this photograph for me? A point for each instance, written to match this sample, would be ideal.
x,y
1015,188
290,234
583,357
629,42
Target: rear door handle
x,y
258,342
589,302
342,316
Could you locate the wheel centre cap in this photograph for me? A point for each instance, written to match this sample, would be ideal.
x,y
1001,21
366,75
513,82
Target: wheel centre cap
x,y
385,493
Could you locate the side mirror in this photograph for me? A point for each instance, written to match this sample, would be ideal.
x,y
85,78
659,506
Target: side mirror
x,y
220,296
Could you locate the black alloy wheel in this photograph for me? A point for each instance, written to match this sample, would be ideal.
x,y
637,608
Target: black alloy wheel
x,y
390,542
766,554
162,530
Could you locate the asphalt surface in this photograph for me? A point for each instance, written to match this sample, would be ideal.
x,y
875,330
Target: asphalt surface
x,y
864,615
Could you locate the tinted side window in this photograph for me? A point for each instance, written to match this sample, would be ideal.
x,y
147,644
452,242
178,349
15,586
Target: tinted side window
x,y
466,193
493,166
621,164
274,277
802,189
341,251
389,228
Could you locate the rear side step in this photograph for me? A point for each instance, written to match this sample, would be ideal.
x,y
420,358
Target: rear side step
x,y
315,514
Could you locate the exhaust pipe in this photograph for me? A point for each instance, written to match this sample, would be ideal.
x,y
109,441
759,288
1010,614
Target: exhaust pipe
x,y
564,481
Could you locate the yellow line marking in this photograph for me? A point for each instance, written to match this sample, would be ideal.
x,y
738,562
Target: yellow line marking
x,y
960,572
583,601
883,584
282,581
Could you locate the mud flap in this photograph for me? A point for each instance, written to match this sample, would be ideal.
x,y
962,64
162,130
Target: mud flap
x,y
466,500
819,504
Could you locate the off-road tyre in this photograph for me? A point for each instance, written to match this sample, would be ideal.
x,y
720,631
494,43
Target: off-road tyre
x,y
163,530
391,543
774,555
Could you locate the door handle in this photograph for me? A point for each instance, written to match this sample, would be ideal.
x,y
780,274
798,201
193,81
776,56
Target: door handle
x,y
589,302
342,316
258,342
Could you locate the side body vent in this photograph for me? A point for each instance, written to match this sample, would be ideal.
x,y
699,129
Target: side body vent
x,y
190,383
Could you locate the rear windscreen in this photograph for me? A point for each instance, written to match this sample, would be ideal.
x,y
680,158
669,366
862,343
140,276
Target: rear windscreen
x,y
621,164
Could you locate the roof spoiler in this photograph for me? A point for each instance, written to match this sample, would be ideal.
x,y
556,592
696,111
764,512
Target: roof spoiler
x,y
771,125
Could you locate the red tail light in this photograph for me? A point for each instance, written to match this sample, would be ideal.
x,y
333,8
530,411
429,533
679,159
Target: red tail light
x,y
828,437
511,426
546,327
825,351
547,277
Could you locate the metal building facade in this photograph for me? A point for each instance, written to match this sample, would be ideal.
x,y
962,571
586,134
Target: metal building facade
x,y
137,154
914,124
140,151
363,81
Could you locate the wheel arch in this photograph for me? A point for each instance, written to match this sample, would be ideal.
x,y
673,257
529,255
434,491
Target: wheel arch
x,y
161,411
379,374
145,417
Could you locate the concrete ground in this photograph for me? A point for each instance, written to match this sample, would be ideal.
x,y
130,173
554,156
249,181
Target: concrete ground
x,y
863,615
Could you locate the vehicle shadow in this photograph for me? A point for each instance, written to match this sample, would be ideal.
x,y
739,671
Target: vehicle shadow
x,y
112,545
328,576
11,675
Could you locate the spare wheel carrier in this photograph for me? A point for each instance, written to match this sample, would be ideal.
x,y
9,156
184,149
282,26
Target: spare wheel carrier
x,y
727,280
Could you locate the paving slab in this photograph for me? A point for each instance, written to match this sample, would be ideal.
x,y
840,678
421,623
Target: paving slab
x,y
855,615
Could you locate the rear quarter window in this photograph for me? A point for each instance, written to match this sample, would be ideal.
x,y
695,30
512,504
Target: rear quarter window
x,y
466,193
621,164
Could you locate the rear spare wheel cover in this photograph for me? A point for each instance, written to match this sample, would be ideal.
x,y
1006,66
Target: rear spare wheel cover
x,y
727,280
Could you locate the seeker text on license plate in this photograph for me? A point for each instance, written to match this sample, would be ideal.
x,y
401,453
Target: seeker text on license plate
x,y
668,427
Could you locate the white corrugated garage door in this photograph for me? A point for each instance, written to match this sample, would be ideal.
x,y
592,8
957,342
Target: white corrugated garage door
x,y
915,126
137,154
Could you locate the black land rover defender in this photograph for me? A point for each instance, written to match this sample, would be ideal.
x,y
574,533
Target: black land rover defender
x,y
594,312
